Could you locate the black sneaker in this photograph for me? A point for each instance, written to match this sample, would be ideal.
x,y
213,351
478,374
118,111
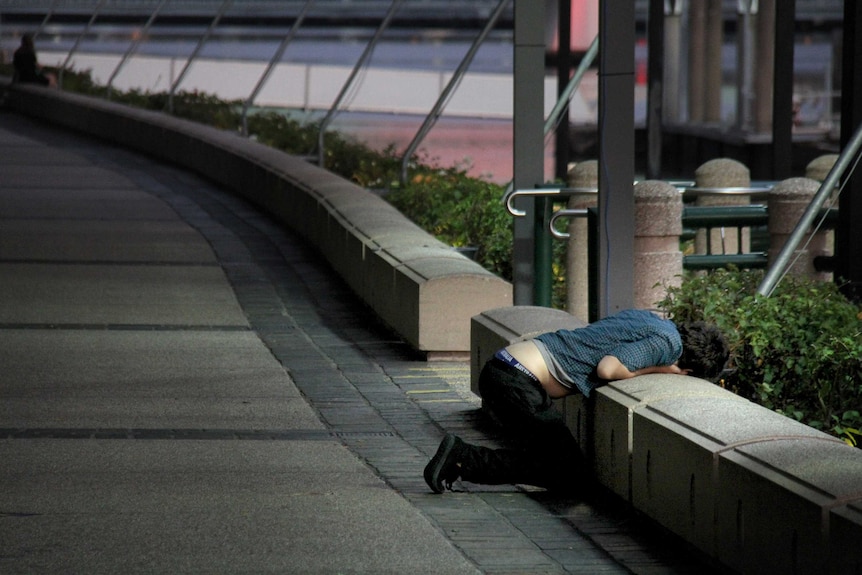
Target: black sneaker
x,y
443,468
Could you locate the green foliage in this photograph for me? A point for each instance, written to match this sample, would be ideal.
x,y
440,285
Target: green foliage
x,y
461,211
798,351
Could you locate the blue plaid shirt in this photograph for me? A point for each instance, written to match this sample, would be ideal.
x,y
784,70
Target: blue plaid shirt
x,y
638,338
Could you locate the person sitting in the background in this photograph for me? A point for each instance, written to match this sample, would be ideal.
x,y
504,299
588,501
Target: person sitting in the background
x,y
26,64
519,383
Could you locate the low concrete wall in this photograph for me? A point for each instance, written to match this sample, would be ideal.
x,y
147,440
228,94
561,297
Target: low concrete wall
x,y
752,489
419,286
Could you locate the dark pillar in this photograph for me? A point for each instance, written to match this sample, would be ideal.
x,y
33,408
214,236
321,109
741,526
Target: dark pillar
x,y
564,73
616,156
655,88
782,90
529,147
848,239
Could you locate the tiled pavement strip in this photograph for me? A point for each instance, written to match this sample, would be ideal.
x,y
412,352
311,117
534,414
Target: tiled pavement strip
x,y
388,406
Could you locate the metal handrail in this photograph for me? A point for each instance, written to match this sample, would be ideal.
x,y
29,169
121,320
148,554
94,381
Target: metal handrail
x,y
566,213
849,155
453,83
561,104
276,58
568,92
78,40
133,47
511,195
45,20
203,39
390,14
755,192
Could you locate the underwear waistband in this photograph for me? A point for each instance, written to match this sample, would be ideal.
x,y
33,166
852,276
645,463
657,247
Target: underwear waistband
x,y
507,358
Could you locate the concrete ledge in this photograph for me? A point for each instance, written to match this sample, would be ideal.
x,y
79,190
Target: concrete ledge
x,y
752,489
422,289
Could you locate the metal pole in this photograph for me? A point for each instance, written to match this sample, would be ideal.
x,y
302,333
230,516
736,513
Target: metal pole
x,y
564,69
616,157
782,90
80,37
359,65
134,46
655,87
776,270
276,58
528,149
443,99
565,97
45,19
224,6
848,240
572,86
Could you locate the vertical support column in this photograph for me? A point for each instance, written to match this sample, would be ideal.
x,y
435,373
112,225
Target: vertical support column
x,y
584,176
848,240
616,156
564,71
655,83
696,60
672,106
714,42
528,153
765,57
658,225
782,90
745,62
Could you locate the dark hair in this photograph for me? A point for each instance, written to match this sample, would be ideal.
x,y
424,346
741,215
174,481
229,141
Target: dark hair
x,y
704,349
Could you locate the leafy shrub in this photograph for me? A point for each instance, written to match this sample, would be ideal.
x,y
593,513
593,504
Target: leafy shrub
x,y
461,211
798,351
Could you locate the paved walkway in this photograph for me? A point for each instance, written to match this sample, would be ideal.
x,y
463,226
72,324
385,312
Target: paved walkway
x,y
184,389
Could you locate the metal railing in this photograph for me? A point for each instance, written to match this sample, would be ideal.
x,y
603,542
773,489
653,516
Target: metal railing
x,y
453,83
754,217
366,54
276,58
847,161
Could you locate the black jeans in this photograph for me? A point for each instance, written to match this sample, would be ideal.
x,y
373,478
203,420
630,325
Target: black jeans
x,y
545,453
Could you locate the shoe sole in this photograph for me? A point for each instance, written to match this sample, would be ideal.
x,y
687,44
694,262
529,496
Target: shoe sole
x,y
435,466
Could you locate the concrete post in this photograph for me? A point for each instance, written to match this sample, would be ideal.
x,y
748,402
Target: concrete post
x,y
658,225
584,175
817,169
722,173
788,201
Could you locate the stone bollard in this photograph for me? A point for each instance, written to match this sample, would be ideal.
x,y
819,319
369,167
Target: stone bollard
x,y
818,169
787,202
658,225
584,175
722,173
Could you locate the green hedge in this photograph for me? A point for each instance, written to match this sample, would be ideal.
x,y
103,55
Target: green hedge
x,y
798,351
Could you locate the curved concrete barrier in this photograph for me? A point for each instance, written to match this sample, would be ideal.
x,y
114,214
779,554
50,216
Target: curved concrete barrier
x,y
422,289
754,490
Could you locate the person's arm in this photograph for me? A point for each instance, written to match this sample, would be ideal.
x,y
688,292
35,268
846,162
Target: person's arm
x,y
611,369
